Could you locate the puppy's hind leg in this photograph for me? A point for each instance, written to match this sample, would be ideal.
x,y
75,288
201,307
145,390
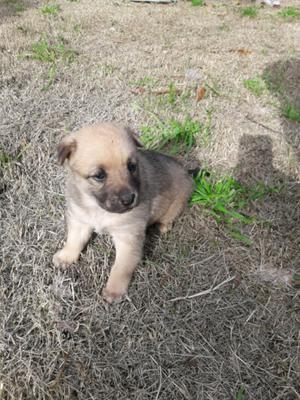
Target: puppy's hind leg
x,y
174,211
78,236
129,250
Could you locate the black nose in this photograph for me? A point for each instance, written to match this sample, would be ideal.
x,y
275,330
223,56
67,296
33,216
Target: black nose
x,y
127,198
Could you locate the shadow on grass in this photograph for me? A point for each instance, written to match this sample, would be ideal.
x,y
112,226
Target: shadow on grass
x,y
283,81
11,8
279,209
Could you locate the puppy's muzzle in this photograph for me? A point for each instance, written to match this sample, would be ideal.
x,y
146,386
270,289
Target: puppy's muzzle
x,y
121,202
127,199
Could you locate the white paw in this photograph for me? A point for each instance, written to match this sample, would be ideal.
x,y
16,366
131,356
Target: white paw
x,y
114,294
64,258
163,229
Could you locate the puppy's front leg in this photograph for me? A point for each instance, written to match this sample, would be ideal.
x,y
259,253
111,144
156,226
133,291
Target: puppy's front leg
x,y
129,250
77,238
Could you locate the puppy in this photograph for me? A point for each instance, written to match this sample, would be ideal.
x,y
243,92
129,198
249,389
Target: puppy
x,y
115,186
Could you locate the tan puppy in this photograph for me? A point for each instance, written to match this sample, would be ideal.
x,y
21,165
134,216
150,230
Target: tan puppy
x,y
116,187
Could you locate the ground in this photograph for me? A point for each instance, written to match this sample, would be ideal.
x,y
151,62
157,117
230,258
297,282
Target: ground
x,y
88,61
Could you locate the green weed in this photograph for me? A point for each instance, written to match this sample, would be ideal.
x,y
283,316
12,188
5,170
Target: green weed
x,y
224,27
174,134
50,77
52,53
225,199
206,131
19,7
291,112
107,69
47,52
250,12
146,81
78,28
50,9
6,159
289,12
172,93
198,3
240,394
256,85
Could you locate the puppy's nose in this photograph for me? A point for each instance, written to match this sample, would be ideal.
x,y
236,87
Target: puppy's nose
x,y
127,198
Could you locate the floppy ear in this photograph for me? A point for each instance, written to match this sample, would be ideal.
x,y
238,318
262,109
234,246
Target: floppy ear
x,y
65,149
134,137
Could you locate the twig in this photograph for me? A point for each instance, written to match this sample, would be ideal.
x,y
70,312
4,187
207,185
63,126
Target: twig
x,y
207,291
152,113
260,124
215,91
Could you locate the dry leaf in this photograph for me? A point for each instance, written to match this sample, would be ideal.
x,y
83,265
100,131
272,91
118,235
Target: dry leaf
x,y
200,93
241,52
138,90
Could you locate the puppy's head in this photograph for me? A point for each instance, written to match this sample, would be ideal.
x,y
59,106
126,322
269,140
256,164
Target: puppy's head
x,y
103,162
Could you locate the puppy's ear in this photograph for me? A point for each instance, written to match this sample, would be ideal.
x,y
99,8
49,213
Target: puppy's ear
x,y
134,137
65,149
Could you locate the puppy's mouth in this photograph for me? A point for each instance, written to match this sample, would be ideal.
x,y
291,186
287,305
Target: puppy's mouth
x,y
117,209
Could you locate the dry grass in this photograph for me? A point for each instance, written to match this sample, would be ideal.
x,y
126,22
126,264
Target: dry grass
x,y
58,339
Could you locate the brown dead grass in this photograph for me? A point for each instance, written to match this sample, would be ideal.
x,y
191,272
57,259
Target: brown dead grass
x,y
58,339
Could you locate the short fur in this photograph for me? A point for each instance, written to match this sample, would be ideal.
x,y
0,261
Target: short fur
x,y
139,188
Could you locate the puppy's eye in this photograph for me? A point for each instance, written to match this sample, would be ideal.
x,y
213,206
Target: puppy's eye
x,y
100,176
131,167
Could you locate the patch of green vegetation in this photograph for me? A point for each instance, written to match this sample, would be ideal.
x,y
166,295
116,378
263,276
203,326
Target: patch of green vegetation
x,y
15,5
250,12
48,52
289,12
224,28
206,131
225,199
51,75
200,3
19,7
172,94
6,158
240,394
50,9
78,28
214,87
256,85
291,112
146,81
177,136
107,69
51,52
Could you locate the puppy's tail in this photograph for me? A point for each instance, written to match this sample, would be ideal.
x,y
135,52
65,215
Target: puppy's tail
x,y
198,171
